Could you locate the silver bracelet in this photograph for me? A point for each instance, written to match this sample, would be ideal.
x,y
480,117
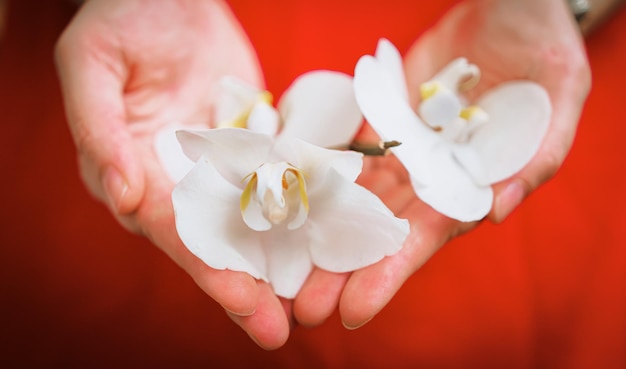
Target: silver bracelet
x,y
579,8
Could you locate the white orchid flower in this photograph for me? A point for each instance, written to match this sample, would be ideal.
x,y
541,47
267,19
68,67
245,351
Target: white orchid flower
x,y
319,107
274,208
267,199
453,152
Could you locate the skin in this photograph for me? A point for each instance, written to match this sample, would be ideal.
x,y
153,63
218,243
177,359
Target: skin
x,y
122,80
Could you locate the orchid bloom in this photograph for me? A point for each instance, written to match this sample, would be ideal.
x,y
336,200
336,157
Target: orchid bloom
x,y
274,208
264,197
452,151
319,107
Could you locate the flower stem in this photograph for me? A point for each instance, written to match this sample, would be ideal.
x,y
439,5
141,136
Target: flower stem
x,y
380,149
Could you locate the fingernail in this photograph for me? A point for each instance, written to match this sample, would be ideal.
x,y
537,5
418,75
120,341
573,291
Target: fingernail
x,y
115,188
358,325
240,314
509,199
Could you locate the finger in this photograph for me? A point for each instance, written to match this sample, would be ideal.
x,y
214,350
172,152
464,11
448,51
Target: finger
x,y
319,297
92,78
236,292
368,290
247,302
268,326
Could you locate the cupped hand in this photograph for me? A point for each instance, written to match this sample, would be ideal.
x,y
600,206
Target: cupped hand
x,y
535,40
129,67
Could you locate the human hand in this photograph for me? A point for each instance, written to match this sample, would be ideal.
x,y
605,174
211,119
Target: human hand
x,y
127,68
508,39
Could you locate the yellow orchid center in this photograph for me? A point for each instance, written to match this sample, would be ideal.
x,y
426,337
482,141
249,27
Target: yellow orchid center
x,y
241,121
429,89
443,111
470,111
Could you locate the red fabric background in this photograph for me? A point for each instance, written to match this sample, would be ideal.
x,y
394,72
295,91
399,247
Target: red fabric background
x,y
545,289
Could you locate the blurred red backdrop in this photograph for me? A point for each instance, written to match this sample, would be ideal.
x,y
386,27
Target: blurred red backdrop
x,y
545,289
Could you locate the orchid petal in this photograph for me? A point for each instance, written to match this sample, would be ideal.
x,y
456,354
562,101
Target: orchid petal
x,y
298,195
210,225
300,218
263,119
251,210
457,74
319,107
223,145
452,191
288,261
390,59
442,108
392,118
315,161
519,116
169,152
469,159
350,227
234,100
473,117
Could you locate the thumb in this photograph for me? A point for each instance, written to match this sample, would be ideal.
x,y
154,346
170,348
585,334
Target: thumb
x,y
92,83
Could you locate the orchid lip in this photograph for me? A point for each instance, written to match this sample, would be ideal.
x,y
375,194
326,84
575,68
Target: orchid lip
x,y
277,193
